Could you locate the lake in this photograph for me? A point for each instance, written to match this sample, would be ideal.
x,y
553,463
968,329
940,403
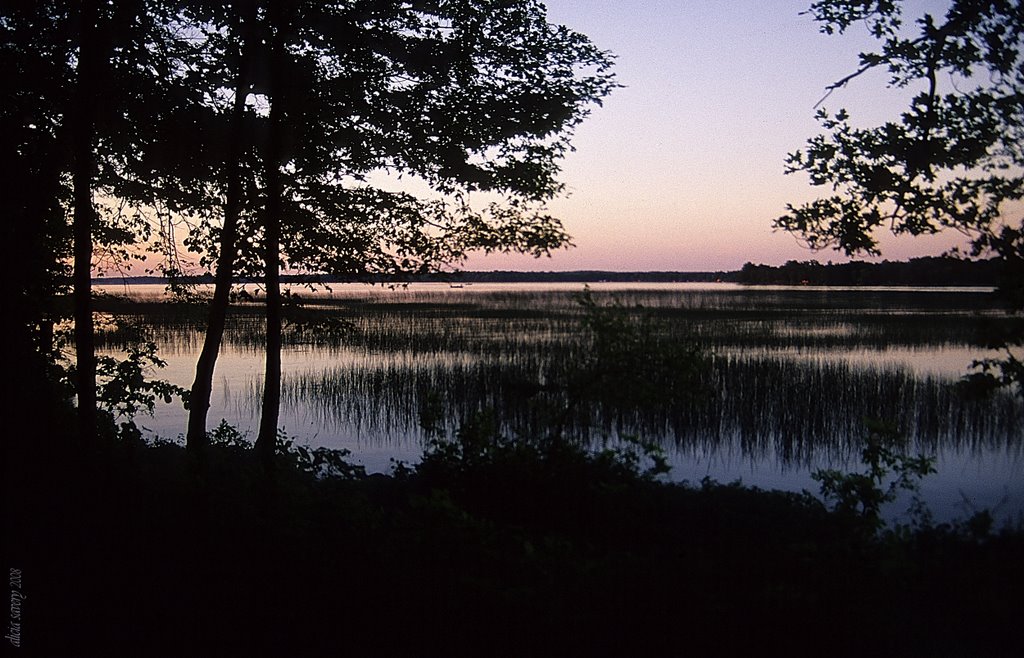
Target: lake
x,y
787,375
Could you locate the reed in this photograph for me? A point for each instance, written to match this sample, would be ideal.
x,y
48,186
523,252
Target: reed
x,y
793,373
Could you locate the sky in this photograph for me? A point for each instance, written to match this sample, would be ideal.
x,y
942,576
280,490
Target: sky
x,y
681,169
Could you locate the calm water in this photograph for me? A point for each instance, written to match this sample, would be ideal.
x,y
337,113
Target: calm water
x,y
792,373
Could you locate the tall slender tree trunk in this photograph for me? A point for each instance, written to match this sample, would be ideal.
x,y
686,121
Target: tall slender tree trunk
x,y
202,386
83,118
266,441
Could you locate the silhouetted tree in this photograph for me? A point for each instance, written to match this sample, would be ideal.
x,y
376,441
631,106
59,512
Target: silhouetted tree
x,y
90,65
239,54
474,96
86,80
34,234
951,160
279,23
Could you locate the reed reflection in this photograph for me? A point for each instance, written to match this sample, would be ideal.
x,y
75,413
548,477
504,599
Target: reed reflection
x,y
791,373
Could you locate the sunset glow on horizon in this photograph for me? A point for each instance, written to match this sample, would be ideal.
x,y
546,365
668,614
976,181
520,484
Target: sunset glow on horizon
x,y
682,168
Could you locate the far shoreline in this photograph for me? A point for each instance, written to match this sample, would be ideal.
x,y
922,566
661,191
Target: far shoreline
x,y
927,272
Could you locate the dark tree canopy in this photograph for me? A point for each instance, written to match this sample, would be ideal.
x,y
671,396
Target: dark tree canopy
x,y
476,96
143,103
149,116
468,97
85,81
954,159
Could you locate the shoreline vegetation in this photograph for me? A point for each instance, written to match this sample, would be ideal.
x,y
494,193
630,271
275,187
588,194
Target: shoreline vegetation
x,y
365,360
487,547
938,271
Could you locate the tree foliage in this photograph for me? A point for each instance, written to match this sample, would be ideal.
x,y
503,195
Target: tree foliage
x,y
157,115
88,81
468,97
953,159
889,471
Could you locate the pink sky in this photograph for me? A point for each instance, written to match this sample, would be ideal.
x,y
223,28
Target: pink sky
x,y
682,169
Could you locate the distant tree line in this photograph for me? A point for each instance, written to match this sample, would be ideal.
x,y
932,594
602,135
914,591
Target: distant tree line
x,y
928,271
496,276
592,276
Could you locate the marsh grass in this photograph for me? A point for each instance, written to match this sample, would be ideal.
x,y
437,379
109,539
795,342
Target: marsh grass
x,y
816,414
456,320
793,373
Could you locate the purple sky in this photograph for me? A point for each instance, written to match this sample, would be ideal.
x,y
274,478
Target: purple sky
x,y
682,169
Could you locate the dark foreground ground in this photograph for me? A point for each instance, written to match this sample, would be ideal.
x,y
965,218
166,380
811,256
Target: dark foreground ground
x,y
486,549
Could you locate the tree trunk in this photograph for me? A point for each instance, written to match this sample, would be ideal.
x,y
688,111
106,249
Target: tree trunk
x,y
266,441
202,386
82,118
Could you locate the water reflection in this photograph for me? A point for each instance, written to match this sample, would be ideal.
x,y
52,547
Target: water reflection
x,y
793,375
